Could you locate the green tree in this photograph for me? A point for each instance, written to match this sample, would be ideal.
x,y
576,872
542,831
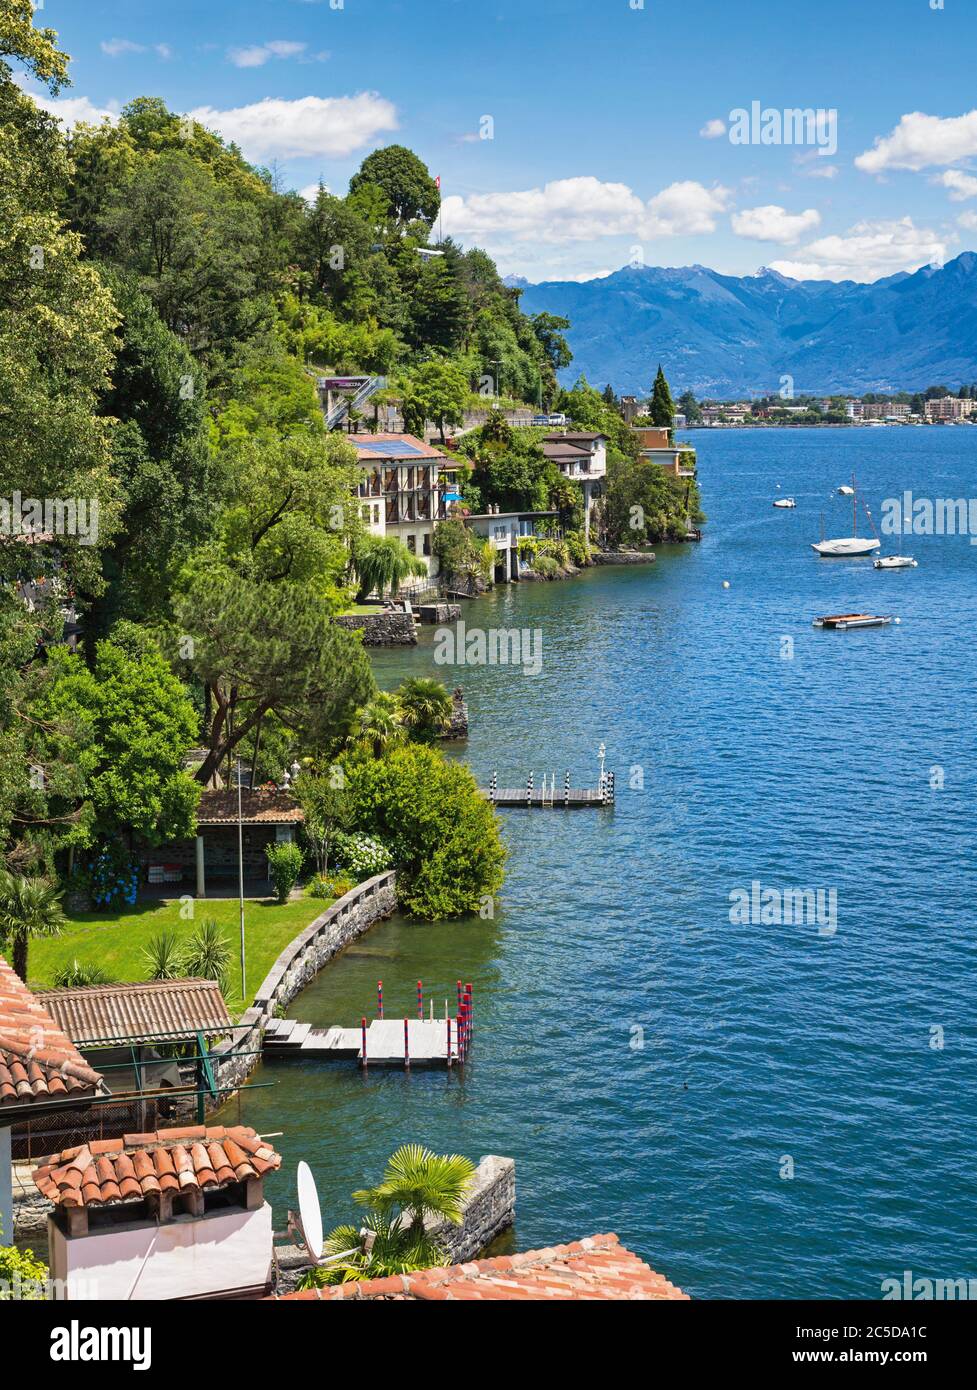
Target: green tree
x,y
384,562
376,727
142,724
425,708
662,407
328,810
29,908
446,837
690,408
417,1185
267,647
409,189
437,391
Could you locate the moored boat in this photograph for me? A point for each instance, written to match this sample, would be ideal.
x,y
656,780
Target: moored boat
x,y
847,547
840,622
895,562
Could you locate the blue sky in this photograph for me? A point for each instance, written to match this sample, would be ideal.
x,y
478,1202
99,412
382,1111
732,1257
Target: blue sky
x,y
610,120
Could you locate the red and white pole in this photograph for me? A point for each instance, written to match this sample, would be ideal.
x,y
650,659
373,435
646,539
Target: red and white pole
x,y
406,1048
420,1000
379,999
363,1031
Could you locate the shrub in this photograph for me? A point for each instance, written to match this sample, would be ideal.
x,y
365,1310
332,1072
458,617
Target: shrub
x,y
208,954
78,975
546,567
285,861
362,855
23,1277
330,885
162,956
449,851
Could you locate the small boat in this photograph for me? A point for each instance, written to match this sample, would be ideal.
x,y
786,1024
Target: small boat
x,y
846,491
847,547
784,502
840,622
895,562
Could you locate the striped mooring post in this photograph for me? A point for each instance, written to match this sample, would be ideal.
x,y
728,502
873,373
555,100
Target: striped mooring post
x,y
379,999
566,789
470,1005
529,790
420,1000
363,1031
609,789
447,1024
460,1036
493,784
406,1049
458,983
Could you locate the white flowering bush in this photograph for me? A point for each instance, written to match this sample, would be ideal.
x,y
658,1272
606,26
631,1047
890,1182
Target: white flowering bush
x,y
361,855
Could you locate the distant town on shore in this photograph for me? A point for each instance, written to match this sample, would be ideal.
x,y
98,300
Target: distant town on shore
x,y
934,406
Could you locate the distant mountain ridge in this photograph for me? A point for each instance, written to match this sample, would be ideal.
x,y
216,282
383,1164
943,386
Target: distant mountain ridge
x,y
728,335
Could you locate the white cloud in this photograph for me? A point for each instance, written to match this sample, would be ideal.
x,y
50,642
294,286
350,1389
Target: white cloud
x,y
258,54
164,50
962,186
685,209
583,208
116,47
968,220
713,130
329,126
72,110
867,251
773,223
919,141
311,191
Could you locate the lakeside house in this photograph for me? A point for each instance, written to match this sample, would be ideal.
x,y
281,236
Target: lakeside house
x,y
43,1076
656,445
581,456
267,816
405,489
505,530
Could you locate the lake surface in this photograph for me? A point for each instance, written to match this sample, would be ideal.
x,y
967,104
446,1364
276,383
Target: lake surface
x,y
653,1068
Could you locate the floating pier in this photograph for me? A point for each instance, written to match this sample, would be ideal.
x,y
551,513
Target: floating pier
x,y
550,796
842,621
402,1042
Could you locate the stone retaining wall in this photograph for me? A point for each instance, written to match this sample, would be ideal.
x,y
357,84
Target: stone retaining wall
x,y
300,961
237,1056
623,557
382,629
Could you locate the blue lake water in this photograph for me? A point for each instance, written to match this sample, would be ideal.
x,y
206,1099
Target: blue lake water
x,y
761,1043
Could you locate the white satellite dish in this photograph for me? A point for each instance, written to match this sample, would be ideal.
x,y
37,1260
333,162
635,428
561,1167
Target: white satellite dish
x,y
309,1211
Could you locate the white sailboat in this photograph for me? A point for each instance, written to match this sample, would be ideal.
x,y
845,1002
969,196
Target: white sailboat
x,y
846,547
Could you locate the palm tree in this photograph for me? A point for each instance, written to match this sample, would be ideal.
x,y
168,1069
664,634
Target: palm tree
x,y
377,724
425,707
417,1184
384,562
29,907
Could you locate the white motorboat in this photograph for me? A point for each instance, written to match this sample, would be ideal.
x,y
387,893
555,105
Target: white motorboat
x,y
784,502
895,562
846,547
846,491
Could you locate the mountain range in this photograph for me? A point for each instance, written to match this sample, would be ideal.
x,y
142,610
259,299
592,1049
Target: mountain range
x,y
728,335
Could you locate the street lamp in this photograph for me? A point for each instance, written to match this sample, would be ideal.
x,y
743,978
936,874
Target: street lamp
x,y
601,752
240,878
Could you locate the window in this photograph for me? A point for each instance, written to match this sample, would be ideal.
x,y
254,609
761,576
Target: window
x,y
412,544
427,543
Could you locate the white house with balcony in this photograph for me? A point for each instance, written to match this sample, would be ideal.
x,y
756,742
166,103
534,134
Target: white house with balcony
x,y
404,490
581,456
505,530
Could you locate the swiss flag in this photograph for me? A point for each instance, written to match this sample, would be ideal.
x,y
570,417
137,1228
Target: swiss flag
x,y
437,181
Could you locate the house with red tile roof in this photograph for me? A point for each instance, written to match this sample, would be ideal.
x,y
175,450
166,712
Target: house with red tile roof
x,y
597,1269
41,1071
175,1213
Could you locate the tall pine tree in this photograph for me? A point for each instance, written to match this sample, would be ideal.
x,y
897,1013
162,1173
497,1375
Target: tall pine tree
x,y
662,406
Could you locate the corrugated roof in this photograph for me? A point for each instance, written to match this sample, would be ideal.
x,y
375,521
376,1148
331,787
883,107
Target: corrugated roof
x,y
38,1061
596,1269
151,1009
146,1165
257,808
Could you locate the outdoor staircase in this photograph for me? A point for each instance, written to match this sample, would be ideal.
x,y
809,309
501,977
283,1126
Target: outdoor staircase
x,y
342,408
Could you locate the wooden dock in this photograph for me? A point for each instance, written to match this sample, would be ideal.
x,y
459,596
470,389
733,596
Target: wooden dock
x,y
426,1042
551,796
540,800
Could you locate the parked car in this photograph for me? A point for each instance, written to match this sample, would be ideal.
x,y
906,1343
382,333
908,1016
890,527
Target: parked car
x,y
558,419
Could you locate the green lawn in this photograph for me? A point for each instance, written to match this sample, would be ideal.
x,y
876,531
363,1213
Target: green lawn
x,y
116,940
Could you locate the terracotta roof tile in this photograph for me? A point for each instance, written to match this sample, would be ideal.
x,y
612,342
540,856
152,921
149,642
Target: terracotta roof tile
x,y
38,1062
141,1165
597,1268
257,808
